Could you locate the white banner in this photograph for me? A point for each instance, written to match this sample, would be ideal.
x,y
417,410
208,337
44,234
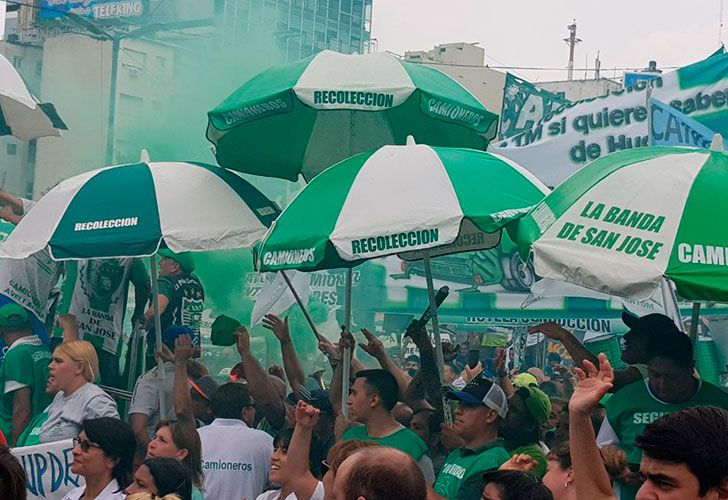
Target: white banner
x,y
48,469
586,130
275,297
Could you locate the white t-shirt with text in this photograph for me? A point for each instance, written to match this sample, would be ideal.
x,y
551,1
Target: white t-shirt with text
x,y
235,459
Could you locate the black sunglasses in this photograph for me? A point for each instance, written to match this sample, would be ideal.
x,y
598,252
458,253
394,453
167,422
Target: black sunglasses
x,y
325,467
84,444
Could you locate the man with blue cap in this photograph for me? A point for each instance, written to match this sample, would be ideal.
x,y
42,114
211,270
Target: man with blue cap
x,y
482,406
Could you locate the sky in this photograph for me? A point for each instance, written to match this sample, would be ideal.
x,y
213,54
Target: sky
x,y
529,33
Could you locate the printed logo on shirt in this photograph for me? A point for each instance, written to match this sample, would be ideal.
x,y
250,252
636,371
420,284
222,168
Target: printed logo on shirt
x,y
647,417
454,470
223,465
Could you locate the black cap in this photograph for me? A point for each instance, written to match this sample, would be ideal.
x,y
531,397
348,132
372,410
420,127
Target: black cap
x,y
651,324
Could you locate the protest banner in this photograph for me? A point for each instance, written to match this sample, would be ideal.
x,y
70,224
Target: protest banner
x,y
525,105
48,469
669,127
586,130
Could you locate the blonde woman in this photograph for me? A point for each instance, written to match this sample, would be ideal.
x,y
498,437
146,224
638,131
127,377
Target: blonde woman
x,y
73,371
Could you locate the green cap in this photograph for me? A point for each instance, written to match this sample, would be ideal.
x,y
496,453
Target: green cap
x,y
223,330
184,259
524,379
13,316
537,402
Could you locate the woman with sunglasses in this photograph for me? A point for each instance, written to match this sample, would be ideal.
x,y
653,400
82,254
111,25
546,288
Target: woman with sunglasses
x,y
292,462
160,477
103,454
73,371
180,441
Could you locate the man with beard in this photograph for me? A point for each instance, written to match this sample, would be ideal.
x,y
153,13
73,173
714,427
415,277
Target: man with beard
x,y
481,409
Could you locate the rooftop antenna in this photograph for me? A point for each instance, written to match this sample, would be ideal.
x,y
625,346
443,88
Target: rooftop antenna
x,y
571,42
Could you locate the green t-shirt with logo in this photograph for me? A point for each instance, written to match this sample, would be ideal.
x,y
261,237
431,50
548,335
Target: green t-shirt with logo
x,y
25,365
460,476
632,408
403,440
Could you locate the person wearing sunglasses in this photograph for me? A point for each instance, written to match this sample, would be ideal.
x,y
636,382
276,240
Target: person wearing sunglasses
x,y
160,477
103,454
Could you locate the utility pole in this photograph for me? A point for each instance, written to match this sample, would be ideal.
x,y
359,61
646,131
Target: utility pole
x,y
571,42
597,67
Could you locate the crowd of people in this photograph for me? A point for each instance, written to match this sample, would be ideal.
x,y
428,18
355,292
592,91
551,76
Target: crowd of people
x,y
575,429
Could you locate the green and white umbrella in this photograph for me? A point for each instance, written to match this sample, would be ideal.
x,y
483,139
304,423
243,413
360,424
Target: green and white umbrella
x,y
21,115
303,117
628,221
398,199
415,200
130,210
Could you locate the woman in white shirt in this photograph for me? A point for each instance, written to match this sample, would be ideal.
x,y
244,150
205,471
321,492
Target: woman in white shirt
x,y
103,455
291,462
73,371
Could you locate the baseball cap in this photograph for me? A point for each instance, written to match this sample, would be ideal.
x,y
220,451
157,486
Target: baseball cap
x,y
481,391
524,379
13,316
650,324
184,259
206,386
222,330
536,401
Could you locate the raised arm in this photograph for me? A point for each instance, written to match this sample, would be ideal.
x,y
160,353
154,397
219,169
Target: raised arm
x,y
291,363
268,403
579,353
590,476
299,450
375,348
182,400
504,381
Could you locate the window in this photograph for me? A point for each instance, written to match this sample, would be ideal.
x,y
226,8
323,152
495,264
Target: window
x,y
32,147
12,149
18,62
39,68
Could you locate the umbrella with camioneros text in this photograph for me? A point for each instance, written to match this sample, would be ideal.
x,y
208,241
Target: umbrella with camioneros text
x,y
416,201
630,221
303,117
134,210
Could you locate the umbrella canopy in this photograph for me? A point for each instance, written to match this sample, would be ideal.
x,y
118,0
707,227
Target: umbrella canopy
x,y
626,221
129,210
398,199
303,117
21,115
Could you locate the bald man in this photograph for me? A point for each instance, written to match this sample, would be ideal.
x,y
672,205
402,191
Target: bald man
x,y
379,473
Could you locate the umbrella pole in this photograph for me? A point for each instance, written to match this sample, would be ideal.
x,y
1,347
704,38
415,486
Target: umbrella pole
x,y
346,367
694,322
439,358
302,306
158,335
672,308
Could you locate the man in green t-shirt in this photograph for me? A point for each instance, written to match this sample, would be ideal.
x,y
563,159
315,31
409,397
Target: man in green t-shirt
x,y
373,396
23,373
670,387
481,409
528,410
